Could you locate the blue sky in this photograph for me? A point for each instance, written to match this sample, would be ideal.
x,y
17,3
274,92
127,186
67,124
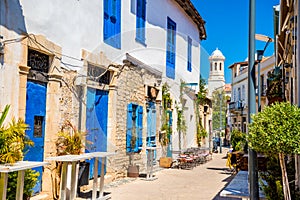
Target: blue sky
x,y
227,25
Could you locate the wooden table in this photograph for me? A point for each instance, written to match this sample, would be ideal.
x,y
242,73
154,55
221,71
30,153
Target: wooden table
x,y
239,187
20,166
73,159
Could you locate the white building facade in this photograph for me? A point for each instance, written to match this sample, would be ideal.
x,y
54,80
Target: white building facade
x,y
101,62
239,97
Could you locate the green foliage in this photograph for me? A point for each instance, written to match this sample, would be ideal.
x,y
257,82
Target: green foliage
x,y
13,141
166,99
69,140
272,176
237,140
276,129
201,96
165,129
30,180
201,133
4,114
218,102
181,123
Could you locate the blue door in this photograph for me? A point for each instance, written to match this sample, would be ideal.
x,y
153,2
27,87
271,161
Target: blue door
x,y
151,127
96,123
35,118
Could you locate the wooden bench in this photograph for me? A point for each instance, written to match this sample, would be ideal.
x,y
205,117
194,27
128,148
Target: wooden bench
x,y
239,187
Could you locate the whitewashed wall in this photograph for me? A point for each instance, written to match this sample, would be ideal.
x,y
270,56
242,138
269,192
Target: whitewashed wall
x,y
75,25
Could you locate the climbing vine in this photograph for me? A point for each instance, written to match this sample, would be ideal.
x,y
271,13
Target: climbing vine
x,y
200,100
165,126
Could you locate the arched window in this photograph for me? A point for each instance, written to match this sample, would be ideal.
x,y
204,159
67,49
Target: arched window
x,y
220,66
210,66
215,66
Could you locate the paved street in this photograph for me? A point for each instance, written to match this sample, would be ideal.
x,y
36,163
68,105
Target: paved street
x,y
203,182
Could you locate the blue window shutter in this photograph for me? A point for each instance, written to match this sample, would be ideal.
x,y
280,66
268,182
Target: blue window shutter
x,y
189,56
140,128
112,23
140,20
129,128
118,25
171,48
170,118
106,18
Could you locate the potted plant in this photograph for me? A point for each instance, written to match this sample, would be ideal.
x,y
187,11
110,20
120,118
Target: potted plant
x,y
133,170
13,142
69,142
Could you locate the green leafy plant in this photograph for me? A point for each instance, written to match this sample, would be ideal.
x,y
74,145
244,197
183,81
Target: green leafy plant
x,y
201,99
237,140
276,131
13,141
30,180
69,140
219,101
165,127
201,95
201,133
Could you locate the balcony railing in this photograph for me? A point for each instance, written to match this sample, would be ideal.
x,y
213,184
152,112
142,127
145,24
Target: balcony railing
x,y
236,106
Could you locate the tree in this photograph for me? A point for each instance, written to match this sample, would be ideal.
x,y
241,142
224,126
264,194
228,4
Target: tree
x,y
276,130
216,103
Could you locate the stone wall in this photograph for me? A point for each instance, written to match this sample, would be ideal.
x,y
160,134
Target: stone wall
x,y
70,99
130,88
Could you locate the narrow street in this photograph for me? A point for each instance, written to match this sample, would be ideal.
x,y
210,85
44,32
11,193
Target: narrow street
x,y
203,182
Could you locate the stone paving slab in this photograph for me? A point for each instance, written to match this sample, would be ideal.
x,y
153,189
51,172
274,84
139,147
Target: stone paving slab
x,y
202,182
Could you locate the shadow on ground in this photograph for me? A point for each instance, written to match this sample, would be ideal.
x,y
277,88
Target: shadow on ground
x,y
228,179
88,195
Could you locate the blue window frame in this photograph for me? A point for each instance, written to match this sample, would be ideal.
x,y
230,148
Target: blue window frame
x,y
171,48
134,132
140,21
112,23
189,55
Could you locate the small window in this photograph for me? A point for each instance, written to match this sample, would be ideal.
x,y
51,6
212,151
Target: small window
x,y
210,66
38,126
98,74
220,66
215,66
